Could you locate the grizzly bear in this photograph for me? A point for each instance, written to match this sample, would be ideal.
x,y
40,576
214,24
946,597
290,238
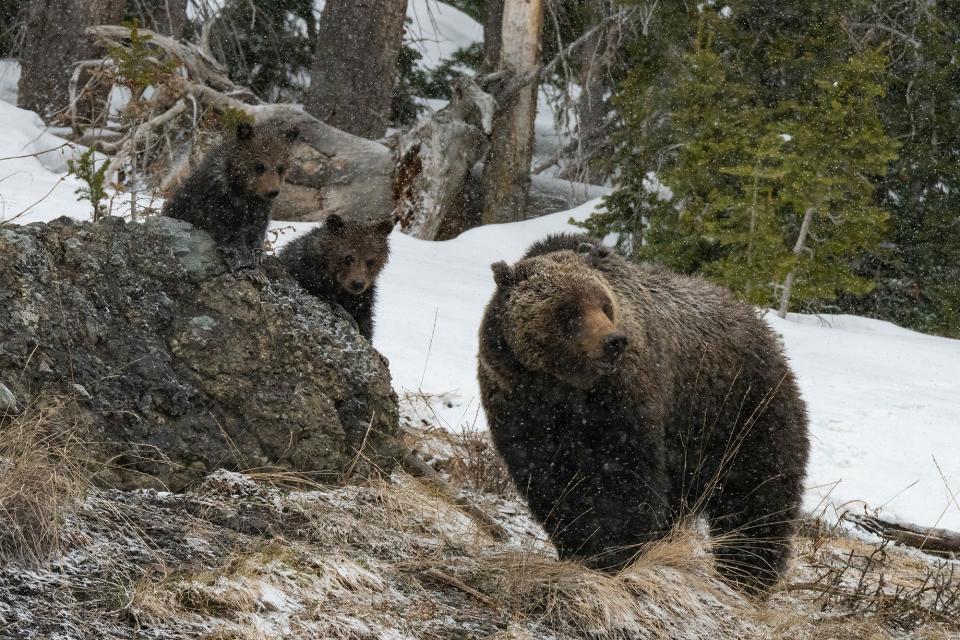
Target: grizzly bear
x,y
625,398
339,263
230,194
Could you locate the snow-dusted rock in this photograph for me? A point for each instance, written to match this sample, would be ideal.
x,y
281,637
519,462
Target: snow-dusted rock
x,y
185,368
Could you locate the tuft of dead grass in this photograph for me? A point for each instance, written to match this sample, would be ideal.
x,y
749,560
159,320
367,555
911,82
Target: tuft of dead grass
x,y
476,464
43,478
671,591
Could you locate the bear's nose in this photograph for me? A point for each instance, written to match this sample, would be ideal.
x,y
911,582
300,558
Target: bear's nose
x,y
273,194
614,345
357,285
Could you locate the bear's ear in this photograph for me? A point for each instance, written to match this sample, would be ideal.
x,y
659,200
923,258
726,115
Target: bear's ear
x,y
503,274
384,227
244,131
334,224
291,134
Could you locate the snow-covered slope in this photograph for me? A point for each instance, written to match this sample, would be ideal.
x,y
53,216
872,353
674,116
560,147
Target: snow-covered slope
x,y
884,401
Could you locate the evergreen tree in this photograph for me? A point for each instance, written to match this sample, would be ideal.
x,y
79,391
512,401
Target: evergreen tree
x,y
773,198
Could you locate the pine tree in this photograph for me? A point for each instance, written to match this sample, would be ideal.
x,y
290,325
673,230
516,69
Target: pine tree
x,y
837,151
773,198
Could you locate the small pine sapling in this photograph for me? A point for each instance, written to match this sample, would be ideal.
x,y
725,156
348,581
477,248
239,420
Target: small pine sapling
x,y
85,169
137,66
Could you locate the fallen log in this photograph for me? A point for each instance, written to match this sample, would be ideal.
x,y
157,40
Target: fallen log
x,y
425,178
940,542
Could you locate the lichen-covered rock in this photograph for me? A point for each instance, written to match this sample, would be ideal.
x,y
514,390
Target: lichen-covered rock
x,y
180,367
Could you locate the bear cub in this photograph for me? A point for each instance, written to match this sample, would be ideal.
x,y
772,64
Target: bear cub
x,y
231,193
625,398
339,263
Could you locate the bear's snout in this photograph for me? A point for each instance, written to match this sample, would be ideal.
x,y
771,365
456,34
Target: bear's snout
x,y
614,345
273,194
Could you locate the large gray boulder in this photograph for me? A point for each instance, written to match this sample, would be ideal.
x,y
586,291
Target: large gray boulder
x,y
180,368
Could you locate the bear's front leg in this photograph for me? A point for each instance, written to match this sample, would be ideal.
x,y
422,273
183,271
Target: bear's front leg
x,y
640,516
752,520
244,263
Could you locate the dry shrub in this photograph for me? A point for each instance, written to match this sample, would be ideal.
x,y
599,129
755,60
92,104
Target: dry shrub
x,y
879,582
475,464
43,478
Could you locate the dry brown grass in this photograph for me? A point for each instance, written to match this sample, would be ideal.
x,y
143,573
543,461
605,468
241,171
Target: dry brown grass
x,y
477,465
43,478
670,592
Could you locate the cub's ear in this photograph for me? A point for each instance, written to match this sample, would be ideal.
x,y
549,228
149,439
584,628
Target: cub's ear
x,y
244,130
504,275
291,134
334,224
384,227
596,255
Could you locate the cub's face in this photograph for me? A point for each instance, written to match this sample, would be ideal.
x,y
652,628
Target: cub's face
x,y
262,158
356,252
561,318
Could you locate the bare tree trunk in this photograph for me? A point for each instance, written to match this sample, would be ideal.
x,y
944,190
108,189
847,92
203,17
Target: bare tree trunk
x,y
492,33
168,17
355,64
506,177
53,42
797,250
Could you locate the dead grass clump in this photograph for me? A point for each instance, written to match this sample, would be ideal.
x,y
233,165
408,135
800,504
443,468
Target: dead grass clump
x,y
43,479
418,510
670,594
278,578
475,464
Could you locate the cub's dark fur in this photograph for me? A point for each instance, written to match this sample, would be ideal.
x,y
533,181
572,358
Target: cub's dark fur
x,y
624,398
230,194
339,263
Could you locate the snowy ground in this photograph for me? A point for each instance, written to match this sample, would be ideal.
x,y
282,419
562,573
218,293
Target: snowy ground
x,y
884,401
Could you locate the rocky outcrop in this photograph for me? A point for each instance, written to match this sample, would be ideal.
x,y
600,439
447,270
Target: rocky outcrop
x,y
180,368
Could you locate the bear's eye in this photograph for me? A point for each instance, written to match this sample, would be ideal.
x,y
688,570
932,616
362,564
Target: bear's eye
x,y
371,263
608,310
259,168
281,170
348,260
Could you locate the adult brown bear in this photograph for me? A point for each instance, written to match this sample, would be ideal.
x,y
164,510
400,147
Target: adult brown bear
x,y
624,397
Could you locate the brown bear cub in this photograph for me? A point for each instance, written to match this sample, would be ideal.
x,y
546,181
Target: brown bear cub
x,y
339,263
625,398
230,194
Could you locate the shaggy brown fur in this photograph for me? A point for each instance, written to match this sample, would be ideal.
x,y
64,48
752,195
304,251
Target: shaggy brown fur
x,y
231,192
340,262
679,402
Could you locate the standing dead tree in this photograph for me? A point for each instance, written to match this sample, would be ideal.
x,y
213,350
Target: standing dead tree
x,y
594,63
506,173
